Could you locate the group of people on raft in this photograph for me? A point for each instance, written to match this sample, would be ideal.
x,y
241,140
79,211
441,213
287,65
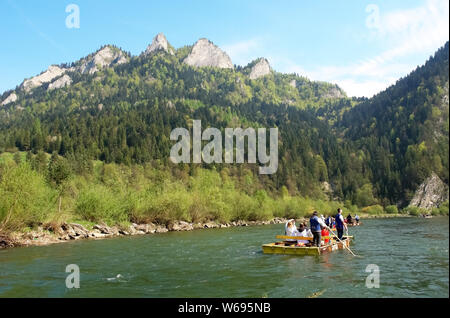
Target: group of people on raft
x,y
319,227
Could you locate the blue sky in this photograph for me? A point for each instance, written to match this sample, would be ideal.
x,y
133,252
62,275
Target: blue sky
x,y
364,46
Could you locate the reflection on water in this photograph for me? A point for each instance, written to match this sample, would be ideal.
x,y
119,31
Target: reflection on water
x,y
412,255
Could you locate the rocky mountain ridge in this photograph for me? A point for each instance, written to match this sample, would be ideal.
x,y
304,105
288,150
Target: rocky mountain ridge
x,y
260,68
159,43
107,56
205,53
50,74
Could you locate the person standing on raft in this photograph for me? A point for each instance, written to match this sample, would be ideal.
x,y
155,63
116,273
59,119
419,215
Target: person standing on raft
x,y
316,224
340,224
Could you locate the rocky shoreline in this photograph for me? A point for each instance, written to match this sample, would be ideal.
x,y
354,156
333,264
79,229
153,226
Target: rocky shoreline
x,y
74,231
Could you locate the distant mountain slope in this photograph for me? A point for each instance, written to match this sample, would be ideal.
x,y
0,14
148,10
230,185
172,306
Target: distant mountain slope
x,y
403,130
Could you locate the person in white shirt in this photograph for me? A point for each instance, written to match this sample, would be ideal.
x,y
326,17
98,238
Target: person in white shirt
x,y
291,230
304,232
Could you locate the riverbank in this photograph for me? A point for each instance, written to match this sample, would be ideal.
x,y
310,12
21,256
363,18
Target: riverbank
x,y
75,231
384,216
46,235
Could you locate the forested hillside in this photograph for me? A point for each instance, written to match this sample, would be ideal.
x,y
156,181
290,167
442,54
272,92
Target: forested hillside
x,y
357,151
403,131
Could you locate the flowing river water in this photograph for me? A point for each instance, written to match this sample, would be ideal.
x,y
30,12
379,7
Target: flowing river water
x,y
411,254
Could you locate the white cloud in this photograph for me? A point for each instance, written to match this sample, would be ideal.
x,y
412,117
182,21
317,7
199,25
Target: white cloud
x,y
366,88
405,34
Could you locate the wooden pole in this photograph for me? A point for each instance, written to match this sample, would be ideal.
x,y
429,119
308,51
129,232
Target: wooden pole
x,y
345,245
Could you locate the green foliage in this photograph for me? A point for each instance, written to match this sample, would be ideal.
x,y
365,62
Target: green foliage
x,y
119,194
58,170
97,203
17,158
391,209
373,210
364,196
39,162
444,208
435,212
353,208
415,211
26,200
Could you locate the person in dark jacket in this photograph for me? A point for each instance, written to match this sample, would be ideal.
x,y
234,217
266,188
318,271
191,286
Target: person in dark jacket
x,y
329,221
349,219
340,224
316,224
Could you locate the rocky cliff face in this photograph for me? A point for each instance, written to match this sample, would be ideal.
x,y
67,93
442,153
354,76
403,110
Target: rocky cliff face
x,y
60,82
105,57
260,68
10,99
159,44
51,73
334,92
431,193
205,53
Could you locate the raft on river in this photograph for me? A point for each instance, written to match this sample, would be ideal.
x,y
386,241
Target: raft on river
x,y
291,248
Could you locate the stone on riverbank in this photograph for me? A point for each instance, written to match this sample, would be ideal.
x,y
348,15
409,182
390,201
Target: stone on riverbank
x,y
146,228
210,225
161,229
180,226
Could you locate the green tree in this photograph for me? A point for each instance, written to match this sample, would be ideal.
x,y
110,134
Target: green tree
x,y
58,173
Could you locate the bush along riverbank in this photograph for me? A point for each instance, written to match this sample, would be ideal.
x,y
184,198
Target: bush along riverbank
x,y
47,199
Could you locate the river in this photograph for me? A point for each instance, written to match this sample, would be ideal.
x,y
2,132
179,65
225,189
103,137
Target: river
x,y
411,254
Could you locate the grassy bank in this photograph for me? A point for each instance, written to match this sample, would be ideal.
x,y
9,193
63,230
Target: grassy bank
x,y
43,190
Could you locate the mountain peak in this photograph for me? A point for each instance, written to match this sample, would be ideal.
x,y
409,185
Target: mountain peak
x,y
206,53
106,56
159,43
260,68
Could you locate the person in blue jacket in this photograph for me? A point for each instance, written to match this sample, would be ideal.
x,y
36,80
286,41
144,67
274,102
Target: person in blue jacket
x,y
340,224
316,225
